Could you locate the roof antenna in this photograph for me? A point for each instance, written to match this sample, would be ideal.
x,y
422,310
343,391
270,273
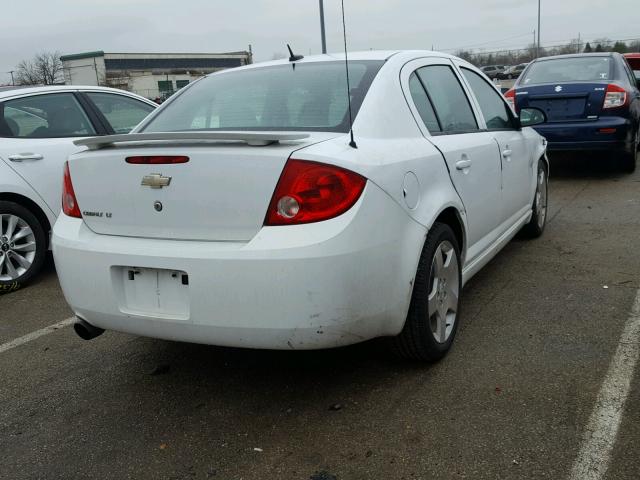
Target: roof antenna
x,y
352,143
292,57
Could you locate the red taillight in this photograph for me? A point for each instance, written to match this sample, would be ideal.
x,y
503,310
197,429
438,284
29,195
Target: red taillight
x,y
311,192
615,97
69,202
510,96
157,159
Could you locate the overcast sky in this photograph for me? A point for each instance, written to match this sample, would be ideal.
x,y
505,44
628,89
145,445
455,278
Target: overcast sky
x,y
73,26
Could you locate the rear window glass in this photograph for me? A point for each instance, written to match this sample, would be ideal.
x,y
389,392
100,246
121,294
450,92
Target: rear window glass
x,y
576,69
302,96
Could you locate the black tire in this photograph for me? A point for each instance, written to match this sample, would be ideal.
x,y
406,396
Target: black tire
x,y
417,340
538,222
39,237
628,161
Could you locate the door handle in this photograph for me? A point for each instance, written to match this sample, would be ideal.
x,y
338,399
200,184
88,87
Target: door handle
x,y
506,153
463,164
19,157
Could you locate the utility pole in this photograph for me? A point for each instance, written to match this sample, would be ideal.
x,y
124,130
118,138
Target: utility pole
x,y
538,46
323,38
12,81
579,43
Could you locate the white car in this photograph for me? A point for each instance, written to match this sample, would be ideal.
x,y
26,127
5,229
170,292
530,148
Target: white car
x,y
241,214
37,128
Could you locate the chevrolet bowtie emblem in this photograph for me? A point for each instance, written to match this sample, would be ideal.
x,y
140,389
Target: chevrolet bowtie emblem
x,y
155,180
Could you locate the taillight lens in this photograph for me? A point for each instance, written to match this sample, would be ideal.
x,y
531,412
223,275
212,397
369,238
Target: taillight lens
x,y
157,159
69,202
510,96
615,97
311,192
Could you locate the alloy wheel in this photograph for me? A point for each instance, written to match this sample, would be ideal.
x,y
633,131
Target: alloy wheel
x,y
444,292
17,247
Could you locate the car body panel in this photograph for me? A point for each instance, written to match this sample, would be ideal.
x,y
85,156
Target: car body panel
x,y
12,183
197,206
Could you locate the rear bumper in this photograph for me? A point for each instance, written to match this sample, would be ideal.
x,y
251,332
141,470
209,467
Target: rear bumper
x,y
312,286
606,133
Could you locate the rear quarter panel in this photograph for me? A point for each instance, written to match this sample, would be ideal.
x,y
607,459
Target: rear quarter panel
x,y
11,182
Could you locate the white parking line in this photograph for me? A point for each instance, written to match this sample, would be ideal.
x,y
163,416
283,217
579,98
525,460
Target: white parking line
x,y
600,435
37,334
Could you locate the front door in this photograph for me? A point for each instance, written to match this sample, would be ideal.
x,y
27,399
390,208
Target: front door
x,y
515,157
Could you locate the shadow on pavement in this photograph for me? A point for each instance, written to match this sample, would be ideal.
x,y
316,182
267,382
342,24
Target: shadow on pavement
x,y
585,165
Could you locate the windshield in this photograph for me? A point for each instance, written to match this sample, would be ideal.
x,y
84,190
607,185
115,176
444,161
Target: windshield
x,y
572,69
300,97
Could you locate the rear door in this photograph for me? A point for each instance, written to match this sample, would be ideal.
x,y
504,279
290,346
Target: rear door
x,y
445,115
515,156
38,132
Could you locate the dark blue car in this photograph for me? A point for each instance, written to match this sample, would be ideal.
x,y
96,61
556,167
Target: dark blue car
x,y
591,100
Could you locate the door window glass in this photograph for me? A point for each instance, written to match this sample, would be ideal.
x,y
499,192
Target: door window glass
x,y
44,116
449,100
423,104
494,108
123,113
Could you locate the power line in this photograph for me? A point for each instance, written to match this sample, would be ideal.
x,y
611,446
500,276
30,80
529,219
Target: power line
x,y
484,43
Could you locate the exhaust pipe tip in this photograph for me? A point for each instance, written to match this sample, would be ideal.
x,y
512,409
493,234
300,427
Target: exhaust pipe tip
x,y
85,330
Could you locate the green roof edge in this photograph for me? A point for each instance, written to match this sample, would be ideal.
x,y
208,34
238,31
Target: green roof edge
x,y
78,56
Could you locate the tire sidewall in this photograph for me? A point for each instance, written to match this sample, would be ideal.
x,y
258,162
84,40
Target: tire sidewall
x,y
41,245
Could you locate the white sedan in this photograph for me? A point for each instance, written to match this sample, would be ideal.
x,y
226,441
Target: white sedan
x,y
37,128
242,214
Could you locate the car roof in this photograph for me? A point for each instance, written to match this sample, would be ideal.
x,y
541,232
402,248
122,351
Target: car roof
x,y
374,55
575,55
12,91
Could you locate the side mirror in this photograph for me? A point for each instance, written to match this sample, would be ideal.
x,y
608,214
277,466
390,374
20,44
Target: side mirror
x,y
532,116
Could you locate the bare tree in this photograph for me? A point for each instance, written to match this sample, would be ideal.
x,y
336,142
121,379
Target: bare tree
x,y
43,69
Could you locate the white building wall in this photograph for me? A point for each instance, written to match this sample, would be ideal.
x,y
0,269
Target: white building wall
x,y
84,71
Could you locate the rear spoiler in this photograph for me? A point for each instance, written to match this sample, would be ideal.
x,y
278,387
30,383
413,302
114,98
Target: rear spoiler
x,y
256,139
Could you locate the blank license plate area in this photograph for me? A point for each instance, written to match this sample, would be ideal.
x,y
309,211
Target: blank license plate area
x,y
561,108
153,292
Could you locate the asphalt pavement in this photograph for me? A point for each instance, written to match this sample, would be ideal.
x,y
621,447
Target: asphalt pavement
x,y
540,326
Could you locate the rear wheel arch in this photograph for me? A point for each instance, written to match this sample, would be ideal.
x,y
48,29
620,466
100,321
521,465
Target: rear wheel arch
x,y
451,216
32,206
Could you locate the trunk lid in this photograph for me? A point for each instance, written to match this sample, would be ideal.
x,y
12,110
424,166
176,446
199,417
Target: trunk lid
x,y
221,194
564,102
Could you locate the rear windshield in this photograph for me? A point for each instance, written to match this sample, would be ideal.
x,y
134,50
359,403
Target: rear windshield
x,y
576,69
300,97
